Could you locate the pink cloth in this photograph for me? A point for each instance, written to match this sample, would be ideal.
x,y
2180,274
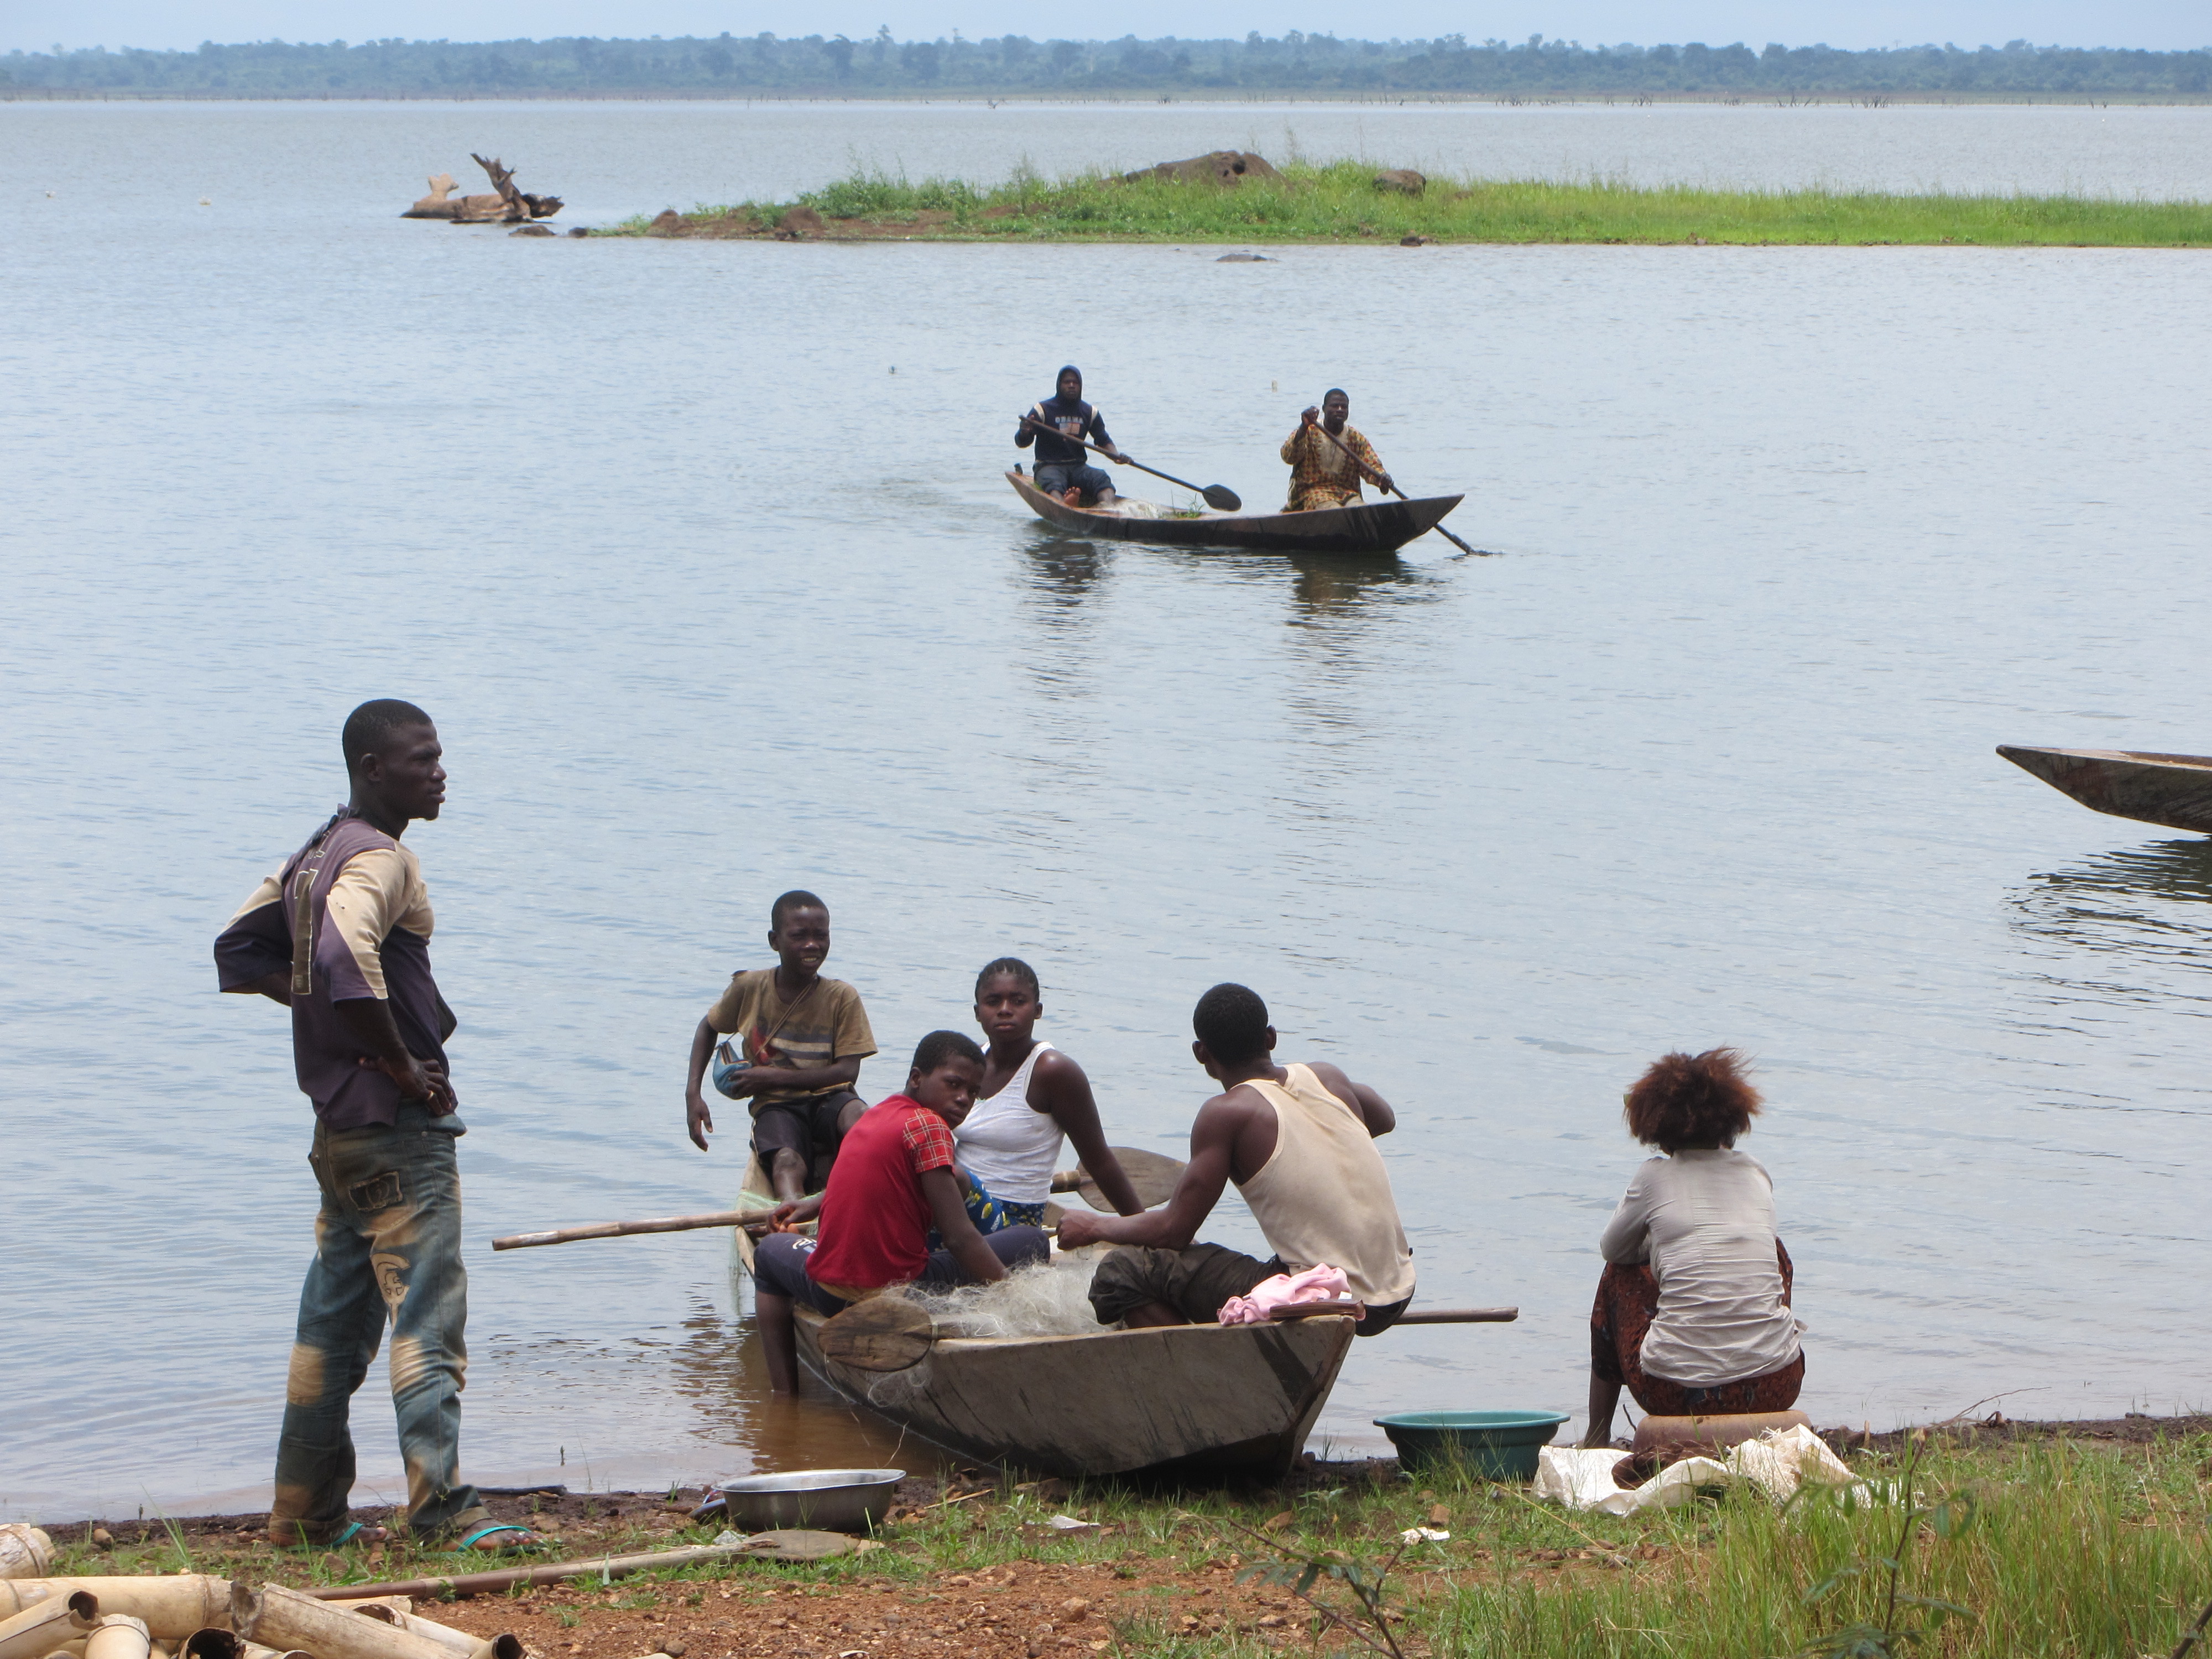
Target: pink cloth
x,y
1319,1283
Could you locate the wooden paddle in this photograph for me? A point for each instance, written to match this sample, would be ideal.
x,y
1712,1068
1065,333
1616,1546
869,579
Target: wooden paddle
x,y
884,1333
1375,478
1153,1174
666,1224
1217,495
1418,1317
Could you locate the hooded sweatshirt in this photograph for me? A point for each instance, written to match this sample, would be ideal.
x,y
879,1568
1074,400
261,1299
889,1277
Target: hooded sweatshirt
x,y
1069,416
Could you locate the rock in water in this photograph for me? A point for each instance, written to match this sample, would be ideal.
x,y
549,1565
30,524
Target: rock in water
x,y
1403,180
1220,167
531,230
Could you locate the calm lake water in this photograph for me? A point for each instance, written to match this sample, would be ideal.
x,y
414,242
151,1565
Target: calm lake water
x,y
700,556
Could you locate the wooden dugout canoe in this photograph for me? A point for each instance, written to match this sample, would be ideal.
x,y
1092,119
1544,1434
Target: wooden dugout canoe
x,y
1183,1399
2172,790
1379,528
1186,1399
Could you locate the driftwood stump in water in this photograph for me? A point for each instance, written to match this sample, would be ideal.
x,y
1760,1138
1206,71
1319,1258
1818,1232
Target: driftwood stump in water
x,y
504,205
436,204
519,204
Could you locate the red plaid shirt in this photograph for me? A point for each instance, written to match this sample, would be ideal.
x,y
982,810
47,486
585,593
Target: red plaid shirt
x,y
875,1218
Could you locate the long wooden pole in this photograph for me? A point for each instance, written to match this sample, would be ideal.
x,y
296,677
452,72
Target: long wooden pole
x,y
1418,1317
1458,1316
471,1584
666,1224
1395,490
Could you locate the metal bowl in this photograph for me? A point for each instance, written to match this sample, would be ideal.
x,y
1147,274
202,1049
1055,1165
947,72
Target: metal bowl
x,y
835,1500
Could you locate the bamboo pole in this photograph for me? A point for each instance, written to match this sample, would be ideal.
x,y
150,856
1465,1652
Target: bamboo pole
x,y
666,1224
174,1606
613,1566
216,1642
26,1552
118,1636
505,1645
281,1618
45,1625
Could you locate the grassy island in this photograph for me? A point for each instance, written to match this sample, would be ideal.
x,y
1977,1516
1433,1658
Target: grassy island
x,y
1341,202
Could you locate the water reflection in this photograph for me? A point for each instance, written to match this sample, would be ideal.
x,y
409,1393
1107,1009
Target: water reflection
x,y
2136,911
1063,572
718,1369
1333,586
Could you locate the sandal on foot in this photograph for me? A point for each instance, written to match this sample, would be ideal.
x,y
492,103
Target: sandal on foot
x,y
529,1541
354,1532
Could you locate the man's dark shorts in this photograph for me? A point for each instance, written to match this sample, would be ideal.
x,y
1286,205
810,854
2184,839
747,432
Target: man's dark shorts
x,y
807,1127
780,1265
1195,1282
1053,476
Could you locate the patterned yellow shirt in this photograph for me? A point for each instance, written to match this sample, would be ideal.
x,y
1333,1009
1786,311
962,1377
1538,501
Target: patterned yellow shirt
x,y
1322,475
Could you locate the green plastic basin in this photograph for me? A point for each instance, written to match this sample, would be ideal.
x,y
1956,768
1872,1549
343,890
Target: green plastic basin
x,y
1500,1445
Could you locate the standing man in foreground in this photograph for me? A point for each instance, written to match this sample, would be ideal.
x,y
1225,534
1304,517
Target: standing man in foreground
x,y
1299,1142
1322,473
1063,467
341,936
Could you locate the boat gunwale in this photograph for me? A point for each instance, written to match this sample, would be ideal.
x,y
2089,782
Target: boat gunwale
x,y
970,1343
2131,757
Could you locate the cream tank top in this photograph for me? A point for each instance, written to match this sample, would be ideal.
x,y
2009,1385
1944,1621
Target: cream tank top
x,y
1324,1194
1008,1145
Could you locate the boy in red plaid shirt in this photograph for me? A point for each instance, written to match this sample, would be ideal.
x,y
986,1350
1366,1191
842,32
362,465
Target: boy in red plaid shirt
x,y
893,1181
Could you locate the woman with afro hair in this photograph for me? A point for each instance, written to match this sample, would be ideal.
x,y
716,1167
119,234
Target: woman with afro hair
x,y
1692,1313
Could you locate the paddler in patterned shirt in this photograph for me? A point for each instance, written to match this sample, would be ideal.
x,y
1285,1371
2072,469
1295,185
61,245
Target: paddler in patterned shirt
x,y
1322,473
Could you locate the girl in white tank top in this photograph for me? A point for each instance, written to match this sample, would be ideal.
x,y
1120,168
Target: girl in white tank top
x,y
1009,1142
1008,1145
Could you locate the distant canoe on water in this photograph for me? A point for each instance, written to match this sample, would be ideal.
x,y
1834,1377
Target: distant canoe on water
x,y
1374,527
2172,790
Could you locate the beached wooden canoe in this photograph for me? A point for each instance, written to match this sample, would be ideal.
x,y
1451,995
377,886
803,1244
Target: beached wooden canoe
x,y
1376,527
2172,790
1181,1400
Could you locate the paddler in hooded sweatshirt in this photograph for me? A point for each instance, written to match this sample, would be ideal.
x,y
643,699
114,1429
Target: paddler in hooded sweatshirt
x,y
1054,426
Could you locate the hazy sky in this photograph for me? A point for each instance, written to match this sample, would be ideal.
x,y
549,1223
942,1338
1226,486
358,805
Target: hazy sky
x,y
35,24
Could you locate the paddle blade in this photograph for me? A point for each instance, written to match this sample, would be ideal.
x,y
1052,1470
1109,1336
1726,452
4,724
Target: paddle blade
x,y
1223,499
1153,1174
884,1333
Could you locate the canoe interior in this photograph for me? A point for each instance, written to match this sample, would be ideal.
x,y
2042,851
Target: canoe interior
x,y
1186,1401
1378,528
2174,790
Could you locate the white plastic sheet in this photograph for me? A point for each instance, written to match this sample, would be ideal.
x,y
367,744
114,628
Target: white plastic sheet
x,y
1778,1462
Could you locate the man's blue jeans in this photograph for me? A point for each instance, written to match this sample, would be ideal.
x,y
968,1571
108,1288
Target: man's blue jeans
x,y
387,1247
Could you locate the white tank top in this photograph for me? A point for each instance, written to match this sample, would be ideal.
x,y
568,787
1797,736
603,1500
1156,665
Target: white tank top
x,y
1324,1195
1008,1145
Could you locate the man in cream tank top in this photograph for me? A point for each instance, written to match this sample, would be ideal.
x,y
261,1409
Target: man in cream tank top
x,y
1299,1142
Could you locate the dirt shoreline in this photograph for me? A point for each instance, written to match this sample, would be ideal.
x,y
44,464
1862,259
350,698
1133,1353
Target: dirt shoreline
x,y
593,1510
989,1578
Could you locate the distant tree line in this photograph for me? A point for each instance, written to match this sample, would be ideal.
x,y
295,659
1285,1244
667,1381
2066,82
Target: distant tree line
x,y
1014,64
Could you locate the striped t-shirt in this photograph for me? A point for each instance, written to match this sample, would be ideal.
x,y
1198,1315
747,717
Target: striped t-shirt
x,y
824,1023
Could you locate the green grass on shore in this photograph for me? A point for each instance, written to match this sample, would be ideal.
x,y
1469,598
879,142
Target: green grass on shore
x,y
1340,202
2076,1549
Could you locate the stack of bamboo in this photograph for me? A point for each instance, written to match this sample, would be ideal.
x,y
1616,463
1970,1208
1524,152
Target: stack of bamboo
x,y
192,1616
195,1616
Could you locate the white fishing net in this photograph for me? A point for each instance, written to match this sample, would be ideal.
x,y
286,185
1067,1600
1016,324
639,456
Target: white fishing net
x,y
1049,1299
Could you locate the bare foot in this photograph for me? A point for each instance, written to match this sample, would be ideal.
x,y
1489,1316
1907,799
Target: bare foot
x,y
1071,496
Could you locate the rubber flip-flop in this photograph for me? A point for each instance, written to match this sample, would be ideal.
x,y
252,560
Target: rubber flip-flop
x,y
355,1532
468,1546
